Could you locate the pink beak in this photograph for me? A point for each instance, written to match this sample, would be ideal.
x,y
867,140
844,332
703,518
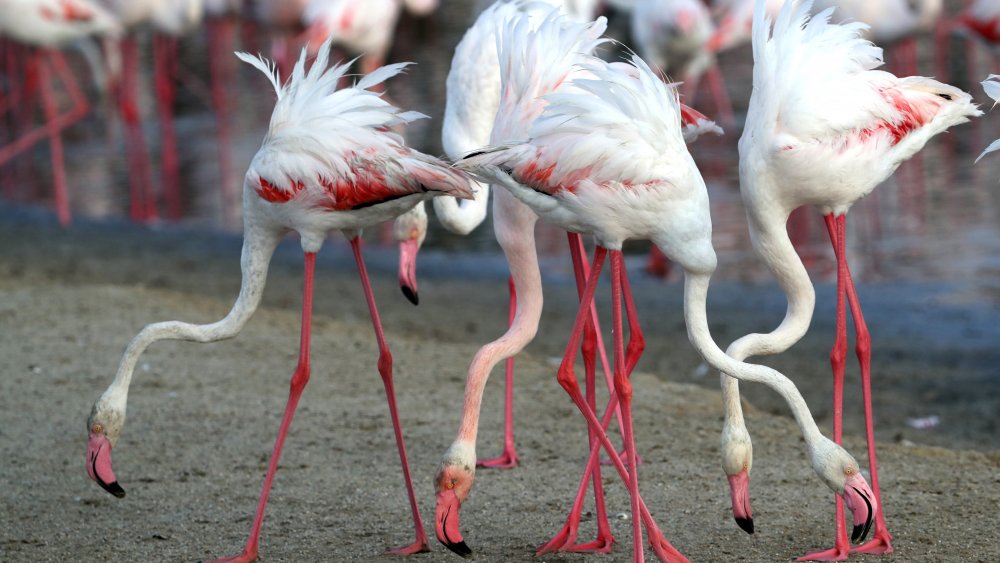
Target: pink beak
x,y
408,269
446,523
99,464
739,490
861,502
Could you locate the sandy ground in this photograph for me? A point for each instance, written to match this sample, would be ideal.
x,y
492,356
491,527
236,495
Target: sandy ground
x,y
202,418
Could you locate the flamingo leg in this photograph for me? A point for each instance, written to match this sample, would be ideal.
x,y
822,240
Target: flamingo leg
x,y
142,206
838,360
882,541
565,539
508,459
623,387
720,95
385,370
567,379
164,60
299,379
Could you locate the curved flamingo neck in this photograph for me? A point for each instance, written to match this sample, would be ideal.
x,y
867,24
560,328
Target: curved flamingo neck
x,y
695,299
256,255
772,244
514,223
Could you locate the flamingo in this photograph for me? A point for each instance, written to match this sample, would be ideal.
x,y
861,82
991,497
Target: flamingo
x,y
45,25
473,95
983,18
606,156
359,26
327,162
824,128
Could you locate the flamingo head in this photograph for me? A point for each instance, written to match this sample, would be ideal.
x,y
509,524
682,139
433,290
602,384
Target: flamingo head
x,y
409,230
737,460
104,426
452,485
841,473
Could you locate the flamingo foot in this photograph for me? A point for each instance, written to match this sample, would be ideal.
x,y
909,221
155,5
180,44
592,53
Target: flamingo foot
x,y
507,460
878,545
245,557
565,536
663,549
834,554
602,544
419,546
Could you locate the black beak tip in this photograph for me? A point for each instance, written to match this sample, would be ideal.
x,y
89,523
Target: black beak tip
x,y
861,531
745,523
113,487
460,548
410,294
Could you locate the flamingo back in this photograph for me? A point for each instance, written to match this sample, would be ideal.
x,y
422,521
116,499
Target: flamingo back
x,y
329,149
55,22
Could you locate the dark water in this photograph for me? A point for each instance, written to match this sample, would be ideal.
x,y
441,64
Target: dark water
x,y
935,220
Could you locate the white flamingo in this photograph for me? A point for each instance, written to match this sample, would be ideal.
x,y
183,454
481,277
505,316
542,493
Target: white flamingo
x,y
605,155
824,128
46,25
328,162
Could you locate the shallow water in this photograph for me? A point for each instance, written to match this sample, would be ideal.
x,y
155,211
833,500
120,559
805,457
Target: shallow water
x,y
935,220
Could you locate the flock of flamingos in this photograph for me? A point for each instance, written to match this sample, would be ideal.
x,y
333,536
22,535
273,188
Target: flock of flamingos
x,y
596,148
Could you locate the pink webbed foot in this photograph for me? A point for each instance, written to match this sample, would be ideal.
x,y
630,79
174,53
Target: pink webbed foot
x,y
878,545
419,546
834,554
664,550
507,460
245,557
565,540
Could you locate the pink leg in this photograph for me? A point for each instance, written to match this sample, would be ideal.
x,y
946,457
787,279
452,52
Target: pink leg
x,y
55,143
566,378
221,36
164,59
299,380
882,540
142,202
658,264
838,357
385,370
508,459
565,539
623,387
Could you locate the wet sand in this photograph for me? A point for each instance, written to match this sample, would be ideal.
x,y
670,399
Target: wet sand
x,y
202,418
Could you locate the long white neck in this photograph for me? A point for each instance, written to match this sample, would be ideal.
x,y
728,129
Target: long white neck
x,y
514,223
770,240
462,217
257,250
695,299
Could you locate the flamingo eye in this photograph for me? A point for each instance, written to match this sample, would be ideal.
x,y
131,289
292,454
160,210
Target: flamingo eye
x,y
450,485
97,428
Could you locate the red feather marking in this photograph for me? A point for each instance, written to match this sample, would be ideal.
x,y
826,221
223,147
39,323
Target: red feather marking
x,y
691,116
532,174
989,29
269,192
910,118
367,188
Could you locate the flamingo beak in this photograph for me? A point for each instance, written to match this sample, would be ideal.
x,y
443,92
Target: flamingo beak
x,y
408,269
99,464
446,523
739,490
861,502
